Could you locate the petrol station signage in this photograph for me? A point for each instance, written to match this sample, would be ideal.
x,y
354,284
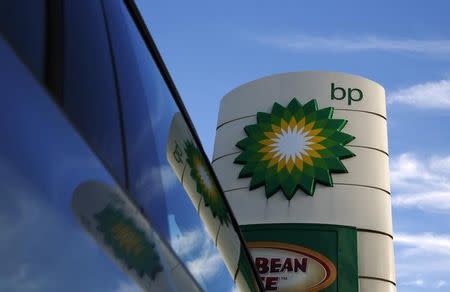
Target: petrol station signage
x,y
293,147
303,160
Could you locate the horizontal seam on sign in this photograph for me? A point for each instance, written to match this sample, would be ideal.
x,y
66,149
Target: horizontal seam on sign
x,y
235,189
376,278
176,266
225,155
367,112
375,231
364,186
198,205
217,235
367,147
336,109
236,119
236,273
182,174
241,188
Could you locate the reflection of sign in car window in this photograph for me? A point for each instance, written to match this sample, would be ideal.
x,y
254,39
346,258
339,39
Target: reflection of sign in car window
x,y
192,169
186,159
205,183
128,242
120,229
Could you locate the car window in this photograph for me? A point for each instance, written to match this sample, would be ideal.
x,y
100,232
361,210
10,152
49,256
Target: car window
x,y
23,25
89,94
67,224
169,176
42,161
114,188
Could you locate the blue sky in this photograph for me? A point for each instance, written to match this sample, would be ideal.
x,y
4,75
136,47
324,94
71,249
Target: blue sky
x,y
212,47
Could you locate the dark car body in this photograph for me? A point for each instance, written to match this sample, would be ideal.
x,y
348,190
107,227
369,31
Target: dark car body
x,y
98,177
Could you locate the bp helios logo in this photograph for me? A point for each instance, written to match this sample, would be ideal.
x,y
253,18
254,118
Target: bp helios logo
x,y
128,242
293,147
204,182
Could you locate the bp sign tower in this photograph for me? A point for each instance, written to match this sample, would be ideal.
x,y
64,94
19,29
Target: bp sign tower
x,y
303,160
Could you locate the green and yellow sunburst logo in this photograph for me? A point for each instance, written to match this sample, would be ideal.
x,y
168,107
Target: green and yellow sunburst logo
x,y
205,183
129,243
293,147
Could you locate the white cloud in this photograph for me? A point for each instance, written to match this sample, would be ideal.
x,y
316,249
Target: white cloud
x,y
155,176
187,242
235,289
168,176
423,184
207,264
426,243
407,168
417,282
411,265
432,94
199,253
440,283
435,201
409,172
440,164
207,261
422,260
127,287
365,43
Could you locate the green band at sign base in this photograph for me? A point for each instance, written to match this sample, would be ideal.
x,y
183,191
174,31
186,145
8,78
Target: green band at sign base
x,y
304,257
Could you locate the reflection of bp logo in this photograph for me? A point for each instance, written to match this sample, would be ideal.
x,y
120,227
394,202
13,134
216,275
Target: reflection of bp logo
x,y
204,182
293,147
128,242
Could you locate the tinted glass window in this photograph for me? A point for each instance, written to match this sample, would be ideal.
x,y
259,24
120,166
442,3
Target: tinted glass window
x,y
62,214
42,161
65,209
191,216
22,24
89,94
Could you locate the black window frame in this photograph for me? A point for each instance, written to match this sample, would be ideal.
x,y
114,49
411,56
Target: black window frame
x,y
54,49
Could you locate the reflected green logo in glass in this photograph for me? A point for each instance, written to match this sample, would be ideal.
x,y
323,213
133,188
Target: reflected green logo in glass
x,y
204,182
293,147
128,242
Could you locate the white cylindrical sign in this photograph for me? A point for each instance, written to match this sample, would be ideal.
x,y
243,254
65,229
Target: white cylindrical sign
x,y
303,160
